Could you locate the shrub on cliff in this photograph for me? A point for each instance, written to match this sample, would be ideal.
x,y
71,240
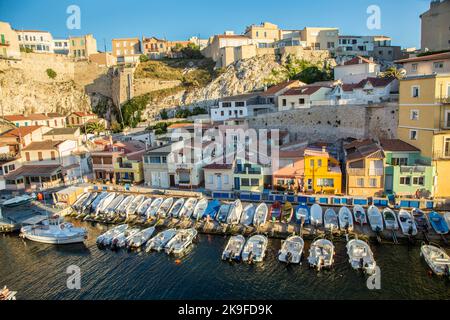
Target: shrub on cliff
x,y
143,58
51,73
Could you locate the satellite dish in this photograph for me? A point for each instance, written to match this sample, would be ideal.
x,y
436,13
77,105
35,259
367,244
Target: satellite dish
x,y
402,71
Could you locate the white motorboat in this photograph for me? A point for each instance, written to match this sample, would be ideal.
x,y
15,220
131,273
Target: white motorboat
x,y
105,239
234,248
291,250
158,242
142,209
140,238
321,254
360,215
223,212
135,204
176,208
345,219
105,202
79,202
234,216
261,212
361,256
200,208
181,241
390,219
17,201
87,203
163,210
153,209
123,206
248,214
255,249
375,219
95,204
330,220
188,209
407,223
316,215
111,208
54,231
437,259
121,240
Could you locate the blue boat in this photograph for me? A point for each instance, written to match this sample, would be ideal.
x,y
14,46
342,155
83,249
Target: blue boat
x,y
302,213
212,209
224,210
438,223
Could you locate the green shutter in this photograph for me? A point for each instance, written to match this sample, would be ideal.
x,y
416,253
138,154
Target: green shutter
x,y
3,39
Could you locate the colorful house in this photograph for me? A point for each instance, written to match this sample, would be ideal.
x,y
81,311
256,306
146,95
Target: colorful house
x,y
219,176
364,168
129,168
289,170
322,172
407,173
249,176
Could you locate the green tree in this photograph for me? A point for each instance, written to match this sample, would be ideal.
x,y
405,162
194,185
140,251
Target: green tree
x,y
143,58
95,127
192,51
116,127
51,73
392,72
163,114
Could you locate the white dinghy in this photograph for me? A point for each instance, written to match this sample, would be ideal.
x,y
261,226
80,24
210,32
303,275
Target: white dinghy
x,y
261,212
291,250
437,259
153,209
123,206
407,223
248,214
345,219
361,256
164,209
142,209
330,220
188,209
106,238
234,215
234,248
360,214
100,208
140,238
121,240
200,208
321,254
255,249
176,208
375,219
158,242
135,204
390,219
110,209
181,241
316,215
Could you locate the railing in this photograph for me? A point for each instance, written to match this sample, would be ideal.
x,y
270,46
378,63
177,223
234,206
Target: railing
x,y
126,166
445,100
248,171
376,172
413,169
356,172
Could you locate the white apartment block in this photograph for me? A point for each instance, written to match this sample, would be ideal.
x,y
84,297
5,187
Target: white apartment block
x,y
38,41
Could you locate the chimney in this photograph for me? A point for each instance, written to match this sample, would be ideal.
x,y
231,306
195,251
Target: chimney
x,y
324,149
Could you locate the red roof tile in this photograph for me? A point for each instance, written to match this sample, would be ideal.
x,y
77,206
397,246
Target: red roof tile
x,y
357,60
397,145
431,57
22,131
278,87
305,90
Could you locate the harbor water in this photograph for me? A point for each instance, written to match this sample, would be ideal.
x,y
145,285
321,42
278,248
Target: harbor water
x,y
39,271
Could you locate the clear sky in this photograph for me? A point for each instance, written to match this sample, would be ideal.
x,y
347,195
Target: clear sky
x,y
181,19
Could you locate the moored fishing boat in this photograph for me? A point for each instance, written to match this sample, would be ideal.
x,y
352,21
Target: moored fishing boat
x,y
248,214
437,259
104,203
234,248
302,214
142,209
316,215
105,239
140,238
291,250
224,210
121,240
406,222
345,219
275,211
211,210
287,212
361,256
134,205
176,208
390,219
153,208
85,207
375,219
438,223
255,249
54,231
188,209
360,215
111,208
158,242
261,213
330,220
78,203
123,206
321,254
97,201
181,241
234,216
421,220
200,208
163,210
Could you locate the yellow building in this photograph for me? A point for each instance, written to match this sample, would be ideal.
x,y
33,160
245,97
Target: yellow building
x,y
129,168
322,172
9,43
82,47
424,122
126,50
264,33
364,168
320,38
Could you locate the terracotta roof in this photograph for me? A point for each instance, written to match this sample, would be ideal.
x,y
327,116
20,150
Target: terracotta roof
x,y
22,131
218,166
43,145
58,131
136,156
278,87
181,125
231,36
83,114
291,171
431,57
357,60
360,149
376,82
33,171
397,145
21,117
305,90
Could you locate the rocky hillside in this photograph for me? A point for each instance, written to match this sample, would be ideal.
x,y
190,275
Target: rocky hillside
x,y
20,94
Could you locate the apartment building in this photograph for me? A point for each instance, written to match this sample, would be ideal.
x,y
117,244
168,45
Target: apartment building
x,y
320,38
427,64
61,46
356,70
80,48
126,50
304,97
35,40
436,26
264,35
51,120
9,43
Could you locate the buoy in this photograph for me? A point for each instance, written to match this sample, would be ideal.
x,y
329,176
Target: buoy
x,y
178,261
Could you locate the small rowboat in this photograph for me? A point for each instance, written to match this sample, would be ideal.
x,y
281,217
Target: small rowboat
x,y
316,215
406,222
345,219
421,220
163,210
287,212
234,216
438,223
275,211
176,208
234,248
330,220
248,214
188,209
302,214
153,209
261,213
390,220
375,219
291,250
360,215
200,208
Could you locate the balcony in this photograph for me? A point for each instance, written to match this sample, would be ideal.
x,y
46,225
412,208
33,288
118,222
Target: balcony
x,y
4,43
376,172
126,166
361,172
413,169
445,100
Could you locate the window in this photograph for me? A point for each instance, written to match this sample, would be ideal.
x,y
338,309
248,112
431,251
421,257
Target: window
x,y
414,115
415,91
301,101
413,134
311,163
325,183
419,181
284,102
52,153
447,147
210,179
373,183
447,118
399,161
164,159
155,160
319,163
226,179
406,181
360,182
40,156
226,104
240,104
27,156
330,45
254,182
438,65
245,182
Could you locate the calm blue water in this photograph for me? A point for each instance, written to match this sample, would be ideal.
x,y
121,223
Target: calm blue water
x,y
38,271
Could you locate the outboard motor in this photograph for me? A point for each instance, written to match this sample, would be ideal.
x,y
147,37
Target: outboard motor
x,y
230,256
361,263
250,257
289,257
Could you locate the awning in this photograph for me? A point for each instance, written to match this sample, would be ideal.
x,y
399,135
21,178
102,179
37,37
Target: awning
x,y
34,171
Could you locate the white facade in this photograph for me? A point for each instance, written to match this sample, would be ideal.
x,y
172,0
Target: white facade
x,y
38,41
219,179
290,101
366,94
362,45
229,110
356,72
61,46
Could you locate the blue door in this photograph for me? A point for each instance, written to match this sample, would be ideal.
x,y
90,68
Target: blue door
x,y
237,184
